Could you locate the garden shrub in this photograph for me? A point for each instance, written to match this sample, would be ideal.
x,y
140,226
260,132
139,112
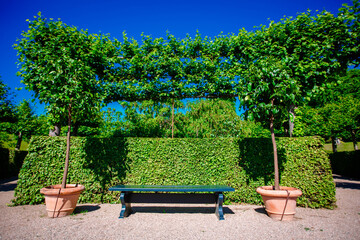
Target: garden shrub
x,y
346,163
245,164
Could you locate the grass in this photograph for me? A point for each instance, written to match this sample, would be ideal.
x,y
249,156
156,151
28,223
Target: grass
x,y
10,145
343,147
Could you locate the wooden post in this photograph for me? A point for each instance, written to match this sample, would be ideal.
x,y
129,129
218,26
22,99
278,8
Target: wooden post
x,y
291,119
334,146
19,140
353,135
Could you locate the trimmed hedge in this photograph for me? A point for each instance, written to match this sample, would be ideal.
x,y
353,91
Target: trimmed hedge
x,y
346,163
11,162
245,164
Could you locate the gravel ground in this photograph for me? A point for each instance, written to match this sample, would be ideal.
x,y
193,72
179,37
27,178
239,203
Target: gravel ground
x,y
186,222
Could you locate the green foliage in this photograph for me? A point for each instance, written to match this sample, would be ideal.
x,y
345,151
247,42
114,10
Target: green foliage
x,y
25,124
309,122
244,164
26,120
10,162
289,61
342,115
7,113
346,163
203,118
269,69
210,118
348,85
149,119
63,66
334,111
336,118
292,60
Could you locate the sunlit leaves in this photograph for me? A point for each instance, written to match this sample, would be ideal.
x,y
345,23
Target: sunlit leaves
x,y
288,61
63,65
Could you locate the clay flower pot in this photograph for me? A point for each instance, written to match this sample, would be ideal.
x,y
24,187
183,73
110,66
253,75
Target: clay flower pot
x,y
279,204
61,202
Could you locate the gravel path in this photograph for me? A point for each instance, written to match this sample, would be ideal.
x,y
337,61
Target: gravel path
x,y
186,222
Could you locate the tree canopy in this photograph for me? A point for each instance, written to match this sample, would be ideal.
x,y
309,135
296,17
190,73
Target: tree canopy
x,y
284,62
63,66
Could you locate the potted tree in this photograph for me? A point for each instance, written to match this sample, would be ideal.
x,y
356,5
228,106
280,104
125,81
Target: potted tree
x,y
287,64
63,67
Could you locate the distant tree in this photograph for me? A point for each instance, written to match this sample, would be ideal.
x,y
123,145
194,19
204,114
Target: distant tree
x,y
41,125
150,119
347,85
25,124
207,118
7,107
342,116
333,112
7,112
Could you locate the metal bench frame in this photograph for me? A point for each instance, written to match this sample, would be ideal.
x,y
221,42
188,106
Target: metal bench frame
x,y
171,194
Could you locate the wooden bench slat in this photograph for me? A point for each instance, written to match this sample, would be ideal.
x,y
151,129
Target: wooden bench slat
x,y
172,188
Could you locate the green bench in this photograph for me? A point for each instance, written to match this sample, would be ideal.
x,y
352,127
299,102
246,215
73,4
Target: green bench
x,y
171,194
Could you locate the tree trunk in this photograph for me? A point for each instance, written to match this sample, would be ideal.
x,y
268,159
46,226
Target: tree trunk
x,y
353,135
56,131
334,145
19,140
172,118
66,168
291,119
276,164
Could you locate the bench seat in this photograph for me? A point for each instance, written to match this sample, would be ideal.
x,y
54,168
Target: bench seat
x,y
171,194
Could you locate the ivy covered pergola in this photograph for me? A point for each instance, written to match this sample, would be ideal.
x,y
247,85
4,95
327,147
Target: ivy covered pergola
x,y
270,70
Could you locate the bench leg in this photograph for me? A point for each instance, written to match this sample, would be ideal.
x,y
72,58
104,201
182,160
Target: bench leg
x,y
219,206
125,206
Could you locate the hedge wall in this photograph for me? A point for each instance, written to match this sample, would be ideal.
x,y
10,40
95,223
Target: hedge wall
x,y
346,163
10,162
244,164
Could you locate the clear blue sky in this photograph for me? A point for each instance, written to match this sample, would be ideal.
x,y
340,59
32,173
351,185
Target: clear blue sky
x,y
153,18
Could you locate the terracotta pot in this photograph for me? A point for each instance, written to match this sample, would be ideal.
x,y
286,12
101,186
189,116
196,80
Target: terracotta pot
x,y
61,202
279,204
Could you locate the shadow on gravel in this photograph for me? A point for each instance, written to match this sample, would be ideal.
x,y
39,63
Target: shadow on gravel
x,y
7,184
346,183
260,210
86,208
205,210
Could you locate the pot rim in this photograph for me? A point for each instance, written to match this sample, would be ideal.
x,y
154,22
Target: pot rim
x,y
283,192
54,190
